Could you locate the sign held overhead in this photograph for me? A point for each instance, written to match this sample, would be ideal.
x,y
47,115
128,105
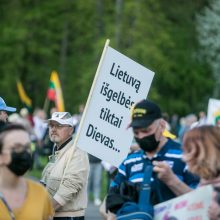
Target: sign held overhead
x,y
119,83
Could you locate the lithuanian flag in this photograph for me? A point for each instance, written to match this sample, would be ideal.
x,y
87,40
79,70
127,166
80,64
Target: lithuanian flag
x,y
54,92
23,96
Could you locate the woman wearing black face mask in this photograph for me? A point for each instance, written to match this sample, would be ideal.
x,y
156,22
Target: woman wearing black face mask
x,y
20,198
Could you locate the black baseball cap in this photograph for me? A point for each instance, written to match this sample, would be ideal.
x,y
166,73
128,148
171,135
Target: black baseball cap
x,y
144,113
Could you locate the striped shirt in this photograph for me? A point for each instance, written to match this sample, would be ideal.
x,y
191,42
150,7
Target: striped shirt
x,y
131,170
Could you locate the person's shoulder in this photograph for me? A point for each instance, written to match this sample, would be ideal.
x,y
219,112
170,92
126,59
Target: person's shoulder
x,y
72,147
39,197
173,144
136,153
173,149
134,157
33,185
79,151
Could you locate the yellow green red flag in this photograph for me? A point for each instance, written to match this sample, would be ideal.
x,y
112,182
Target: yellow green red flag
x,y
22,94
54,92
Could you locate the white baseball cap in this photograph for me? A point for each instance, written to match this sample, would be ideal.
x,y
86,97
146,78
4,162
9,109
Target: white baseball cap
x,y
63,118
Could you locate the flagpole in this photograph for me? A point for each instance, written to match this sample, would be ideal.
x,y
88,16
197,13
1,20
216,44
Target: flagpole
x,y
46,105
88,100
91,90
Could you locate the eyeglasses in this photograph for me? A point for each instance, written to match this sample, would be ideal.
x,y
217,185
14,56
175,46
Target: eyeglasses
x,y
19,148
57,126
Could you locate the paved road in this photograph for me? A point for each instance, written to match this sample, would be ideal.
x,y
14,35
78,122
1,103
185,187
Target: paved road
x,y
92,212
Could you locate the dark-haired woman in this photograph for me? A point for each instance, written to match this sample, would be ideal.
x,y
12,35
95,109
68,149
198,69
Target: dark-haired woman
x,y
20,198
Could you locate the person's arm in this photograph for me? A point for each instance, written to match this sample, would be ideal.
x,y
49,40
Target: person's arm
x,y
113,199
166,175
74,178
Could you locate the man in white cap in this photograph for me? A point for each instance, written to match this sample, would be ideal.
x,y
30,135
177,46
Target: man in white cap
x,y
66,174
4,109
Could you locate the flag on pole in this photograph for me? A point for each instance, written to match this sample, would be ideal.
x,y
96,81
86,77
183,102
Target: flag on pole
x,y
54,92
23,96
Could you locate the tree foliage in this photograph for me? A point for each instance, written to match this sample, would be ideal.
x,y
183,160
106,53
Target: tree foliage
x,y
68,36
209,38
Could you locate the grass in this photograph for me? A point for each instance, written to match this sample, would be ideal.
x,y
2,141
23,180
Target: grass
x,y
36,173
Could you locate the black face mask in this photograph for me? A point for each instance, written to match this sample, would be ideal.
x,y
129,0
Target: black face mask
x,y
21,162
148,144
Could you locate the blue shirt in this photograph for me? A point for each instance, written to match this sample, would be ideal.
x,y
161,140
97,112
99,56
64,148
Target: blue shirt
x,y
132,167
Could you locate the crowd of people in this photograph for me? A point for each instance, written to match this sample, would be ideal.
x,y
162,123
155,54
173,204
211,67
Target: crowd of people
x,y
181,163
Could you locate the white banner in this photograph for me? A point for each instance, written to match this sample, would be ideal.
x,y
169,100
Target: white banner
x,y
119,83
191,206
213,115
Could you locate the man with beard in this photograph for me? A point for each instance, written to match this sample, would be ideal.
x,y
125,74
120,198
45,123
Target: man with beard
x,y
4,109
170,175
66,174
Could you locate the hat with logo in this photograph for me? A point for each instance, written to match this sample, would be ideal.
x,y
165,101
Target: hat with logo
x,y
4,107
63,118
144,113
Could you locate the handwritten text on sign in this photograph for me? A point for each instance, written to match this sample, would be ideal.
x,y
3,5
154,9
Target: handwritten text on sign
x,y
191,206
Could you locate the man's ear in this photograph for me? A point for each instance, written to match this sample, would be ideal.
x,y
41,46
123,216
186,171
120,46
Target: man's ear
x,y
71,131
162,124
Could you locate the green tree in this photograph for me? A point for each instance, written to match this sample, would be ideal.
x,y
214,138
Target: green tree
x,y
68,36
209,38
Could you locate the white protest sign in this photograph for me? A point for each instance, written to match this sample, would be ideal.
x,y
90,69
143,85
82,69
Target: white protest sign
x,y
213,115
191,206
119,83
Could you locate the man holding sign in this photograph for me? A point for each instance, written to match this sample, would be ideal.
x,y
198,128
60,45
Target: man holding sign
x,y
170,177
66,174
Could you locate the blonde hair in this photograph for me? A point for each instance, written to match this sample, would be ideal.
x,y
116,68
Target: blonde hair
x,y
201,147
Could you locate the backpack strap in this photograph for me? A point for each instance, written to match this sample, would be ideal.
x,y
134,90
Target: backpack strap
x,y
144,195
12,216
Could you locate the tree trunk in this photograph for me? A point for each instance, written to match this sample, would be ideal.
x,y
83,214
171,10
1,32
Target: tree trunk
x,y
118,23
